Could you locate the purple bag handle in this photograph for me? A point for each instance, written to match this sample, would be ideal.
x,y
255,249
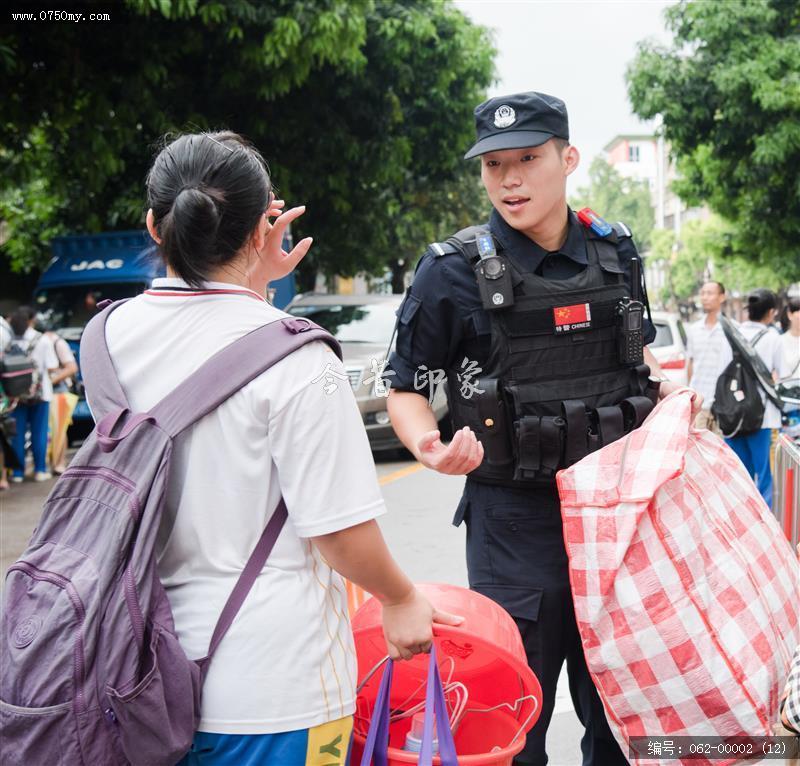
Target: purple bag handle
x,y
378,735
435,703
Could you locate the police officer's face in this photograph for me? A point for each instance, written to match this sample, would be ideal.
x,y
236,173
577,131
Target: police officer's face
x,y
528,186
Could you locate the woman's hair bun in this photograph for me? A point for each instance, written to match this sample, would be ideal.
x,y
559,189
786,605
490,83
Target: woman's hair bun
x,y
207,192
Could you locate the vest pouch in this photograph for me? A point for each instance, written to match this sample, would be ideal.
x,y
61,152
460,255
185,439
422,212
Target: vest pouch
x,y
545,397
576,434
608,423
493,427
634,411
539,447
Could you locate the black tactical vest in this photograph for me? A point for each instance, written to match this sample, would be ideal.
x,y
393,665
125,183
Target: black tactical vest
x,y
553,389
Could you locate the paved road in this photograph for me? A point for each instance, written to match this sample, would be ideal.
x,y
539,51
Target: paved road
x,y
417,526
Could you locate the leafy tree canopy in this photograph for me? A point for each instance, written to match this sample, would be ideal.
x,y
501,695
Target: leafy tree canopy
x,y
703,253
616,198
362,108
728,89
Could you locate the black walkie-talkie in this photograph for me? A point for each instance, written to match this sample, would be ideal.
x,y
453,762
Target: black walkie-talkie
x,y
630,316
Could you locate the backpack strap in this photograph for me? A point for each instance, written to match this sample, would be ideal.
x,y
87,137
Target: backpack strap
x,y
33,342
258,558
220,377
759,337
97,367
233,368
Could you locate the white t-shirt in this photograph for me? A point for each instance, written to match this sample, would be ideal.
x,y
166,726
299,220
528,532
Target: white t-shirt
x,y
710,352
288,661
769,349
43,356
790,356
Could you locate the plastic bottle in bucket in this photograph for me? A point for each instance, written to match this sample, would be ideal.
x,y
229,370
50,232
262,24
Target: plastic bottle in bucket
x,y
414,736
484,656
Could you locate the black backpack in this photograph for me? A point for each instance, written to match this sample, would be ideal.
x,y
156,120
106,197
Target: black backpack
x,y
19,378
738,407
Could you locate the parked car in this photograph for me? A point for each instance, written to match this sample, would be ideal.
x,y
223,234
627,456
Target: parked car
x,y
364,325
669,347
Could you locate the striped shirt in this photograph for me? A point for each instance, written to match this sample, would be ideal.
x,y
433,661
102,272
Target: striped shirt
x,y
710,352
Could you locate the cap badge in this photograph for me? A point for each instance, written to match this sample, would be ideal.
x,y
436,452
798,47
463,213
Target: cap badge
x,y
504,117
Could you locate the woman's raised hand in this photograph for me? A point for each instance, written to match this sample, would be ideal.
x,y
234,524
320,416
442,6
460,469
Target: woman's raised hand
x,y
273,262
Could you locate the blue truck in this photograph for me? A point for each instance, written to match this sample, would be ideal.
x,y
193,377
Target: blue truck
x,y
89,268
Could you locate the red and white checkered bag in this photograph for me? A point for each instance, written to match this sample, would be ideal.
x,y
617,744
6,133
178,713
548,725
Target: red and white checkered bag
x,y
686,590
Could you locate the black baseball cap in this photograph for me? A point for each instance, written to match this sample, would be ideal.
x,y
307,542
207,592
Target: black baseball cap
x,y
517,121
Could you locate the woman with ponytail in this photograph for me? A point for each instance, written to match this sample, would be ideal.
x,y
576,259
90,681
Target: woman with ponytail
x,y
282,684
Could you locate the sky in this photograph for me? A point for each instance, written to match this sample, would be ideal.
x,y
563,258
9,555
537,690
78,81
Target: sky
x,y
577,50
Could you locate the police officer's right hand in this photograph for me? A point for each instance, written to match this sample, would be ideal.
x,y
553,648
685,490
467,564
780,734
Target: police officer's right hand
x,y
462,455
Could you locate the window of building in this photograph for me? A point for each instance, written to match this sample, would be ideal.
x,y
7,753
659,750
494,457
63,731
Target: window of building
x,y
633,154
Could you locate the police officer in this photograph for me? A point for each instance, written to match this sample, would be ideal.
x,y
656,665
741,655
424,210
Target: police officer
x,y
537,320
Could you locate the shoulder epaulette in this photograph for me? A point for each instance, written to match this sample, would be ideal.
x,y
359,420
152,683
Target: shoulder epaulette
x,y
621,229
438,249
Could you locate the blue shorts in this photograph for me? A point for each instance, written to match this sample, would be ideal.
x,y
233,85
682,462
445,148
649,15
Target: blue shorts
x,y
324,745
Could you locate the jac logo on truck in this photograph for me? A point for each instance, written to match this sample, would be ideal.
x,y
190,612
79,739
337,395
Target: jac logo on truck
x,y
114,263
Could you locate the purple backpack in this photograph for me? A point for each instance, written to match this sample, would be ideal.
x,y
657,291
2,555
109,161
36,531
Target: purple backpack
x,y
92,669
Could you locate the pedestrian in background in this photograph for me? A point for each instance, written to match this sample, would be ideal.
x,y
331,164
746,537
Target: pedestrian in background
x,y
5,332
64,401
790,360
709,352
754,449
6,450
8,458
790,340
33,411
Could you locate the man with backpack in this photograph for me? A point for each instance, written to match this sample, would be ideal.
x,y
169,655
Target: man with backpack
x,y
33,408
741,408
708,351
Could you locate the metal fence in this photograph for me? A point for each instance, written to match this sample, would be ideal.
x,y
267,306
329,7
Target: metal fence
x,y
786,491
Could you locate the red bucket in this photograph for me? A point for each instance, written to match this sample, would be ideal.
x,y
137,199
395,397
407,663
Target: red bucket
x,y
484,653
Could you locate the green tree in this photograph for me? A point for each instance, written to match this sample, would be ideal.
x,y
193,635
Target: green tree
x,y
617,198
728,89
361,108
703,252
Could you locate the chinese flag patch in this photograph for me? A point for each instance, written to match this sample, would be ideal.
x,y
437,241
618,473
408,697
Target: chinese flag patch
x,y
572,318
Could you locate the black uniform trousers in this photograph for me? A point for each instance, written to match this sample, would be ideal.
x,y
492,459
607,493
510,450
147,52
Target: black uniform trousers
x,y
516,557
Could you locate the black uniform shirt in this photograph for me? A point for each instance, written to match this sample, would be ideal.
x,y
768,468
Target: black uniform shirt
x,y
442,321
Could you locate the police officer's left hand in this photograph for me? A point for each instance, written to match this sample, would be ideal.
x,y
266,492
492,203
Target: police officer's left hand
x,y
462,455
669,386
